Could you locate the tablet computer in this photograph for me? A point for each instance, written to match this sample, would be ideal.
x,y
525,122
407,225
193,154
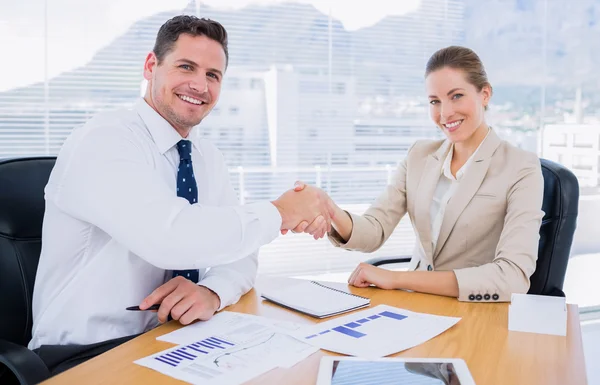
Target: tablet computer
x,y
393,371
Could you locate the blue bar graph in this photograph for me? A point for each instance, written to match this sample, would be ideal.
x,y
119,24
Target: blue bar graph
x,y
219,341
212,343
348,332
177,353
196,348
216,342
192,351
349,328
389,314
184,353
174,357
166,361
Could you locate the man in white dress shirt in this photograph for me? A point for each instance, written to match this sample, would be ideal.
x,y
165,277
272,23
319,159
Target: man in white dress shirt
x,y
140,212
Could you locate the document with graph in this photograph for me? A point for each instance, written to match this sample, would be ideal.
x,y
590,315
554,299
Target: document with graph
x,y
375,332
229,349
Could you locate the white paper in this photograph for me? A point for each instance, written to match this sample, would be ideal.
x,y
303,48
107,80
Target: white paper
x,y
538,314
227,322
376,332
230,349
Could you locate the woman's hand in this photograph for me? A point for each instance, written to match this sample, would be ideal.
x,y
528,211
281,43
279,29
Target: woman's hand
x,y
366,275
319,227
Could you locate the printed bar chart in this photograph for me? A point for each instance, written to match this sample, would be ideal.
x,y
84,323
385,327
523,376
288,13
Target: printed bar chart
x,y
375,332
349,329
193,350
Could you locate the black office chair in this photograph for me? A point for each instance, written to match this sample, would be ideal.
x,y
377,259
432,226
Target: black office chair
x,y
560,205
22,183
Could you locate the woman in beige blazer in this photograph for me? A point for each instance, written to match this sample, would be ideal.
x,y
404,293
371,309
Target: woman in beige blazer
x,y
474,200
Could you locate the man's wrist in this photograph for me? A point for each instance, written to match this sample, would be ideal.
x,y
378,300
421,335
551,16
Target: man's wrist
x,y
281,213
217,299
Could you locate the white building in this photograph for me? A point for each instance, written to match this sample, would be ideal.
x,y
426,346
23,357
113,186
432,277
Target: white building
x,y
238,123
309,116
380,141
284,117
576,146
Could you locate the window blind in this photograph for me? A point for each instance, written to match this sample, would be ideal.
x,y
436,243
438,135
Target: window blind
x,y
304,98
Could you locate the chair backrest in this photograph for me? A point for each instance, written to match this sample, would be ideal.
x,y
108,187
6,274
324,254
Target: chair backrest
x,y
560,206
22,204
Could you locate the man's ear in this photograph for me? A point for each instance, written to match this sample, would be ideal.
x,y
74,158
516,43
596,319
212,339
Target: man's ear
x,y
149,65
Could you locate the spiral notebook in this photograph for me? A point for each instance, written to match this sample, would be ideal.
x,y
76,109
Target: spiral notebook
x,y
315,299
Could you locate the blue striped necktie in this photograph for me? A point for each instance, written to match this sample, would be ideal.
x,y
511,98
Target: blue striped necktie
x,y
186,188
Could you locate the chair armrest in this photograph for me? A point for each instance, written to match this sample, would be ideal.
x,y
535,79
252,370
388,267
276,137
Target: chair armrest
x,y
26,366
388,260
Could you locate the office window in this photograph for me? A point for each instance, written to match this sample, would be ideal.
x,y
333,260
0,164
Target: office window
x,y
231,83
339,88
558,139
256,83
583,162
339,159
584,140
356,77
314,87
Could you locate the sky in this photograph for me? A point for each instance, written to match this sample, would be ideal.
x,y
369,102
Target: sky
x,y
76,29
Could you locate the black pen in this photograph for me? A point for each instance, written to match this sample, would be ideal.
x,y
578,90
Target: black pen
x,y
137,308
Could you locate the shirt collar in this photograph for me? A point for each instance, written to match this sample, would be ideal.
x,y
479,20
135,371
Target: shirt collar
x,y
163,134
447,172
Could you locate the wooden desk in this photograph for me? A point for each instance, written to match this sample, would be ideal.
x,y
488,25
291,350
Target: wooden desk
x,y
494,355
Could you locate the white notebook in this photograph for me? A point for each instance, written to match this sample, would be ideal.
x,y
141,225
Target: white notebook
x,y
315,299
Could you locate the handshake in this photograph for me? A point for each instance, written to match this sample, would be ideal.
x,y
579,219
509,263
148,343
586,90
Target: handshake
x,y
306,209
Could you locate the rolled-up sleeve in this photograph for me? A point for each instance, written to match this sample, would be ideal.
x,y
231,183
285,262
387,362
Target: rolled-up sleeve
x,y
516,252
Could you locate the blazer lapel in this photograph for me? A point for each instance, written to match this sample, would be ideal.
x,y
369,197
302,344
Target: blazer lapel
x,y
424,196
467,188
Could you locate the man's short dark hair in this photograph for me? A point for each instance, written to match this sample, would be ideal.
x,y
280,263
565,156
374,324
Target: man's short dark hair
x,y
169,33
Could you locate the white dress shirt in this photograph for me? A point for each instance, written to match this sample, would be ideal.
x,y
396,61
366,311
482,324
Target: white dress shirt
x,y
447,185
114,228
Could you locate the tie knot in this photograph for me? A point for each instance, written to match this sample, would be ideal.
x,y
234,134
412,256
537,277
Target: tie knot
x,y
185,149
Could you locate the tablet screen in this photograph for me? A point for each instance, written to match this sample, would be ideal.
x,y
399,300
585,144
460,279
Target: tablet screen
x,y
393,372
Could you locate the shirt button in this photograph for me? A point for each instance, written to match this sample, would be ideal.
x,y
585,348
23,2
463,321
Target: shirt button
x,y
471,297
495,297
478,297
429,268
486,297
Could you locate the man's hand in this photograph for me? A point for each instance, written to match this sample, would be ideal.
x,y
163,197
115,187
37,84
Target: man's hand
x,y
308,205
318,227
184,300
366,275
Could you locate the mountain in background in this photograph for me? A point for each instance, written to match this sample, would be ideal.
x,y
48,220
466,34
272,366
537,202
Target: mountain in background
x,y
386,59
508,35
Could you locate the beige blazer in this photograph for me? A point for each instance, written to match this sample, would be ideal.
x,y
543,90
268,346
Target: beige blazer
x,y
490,231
